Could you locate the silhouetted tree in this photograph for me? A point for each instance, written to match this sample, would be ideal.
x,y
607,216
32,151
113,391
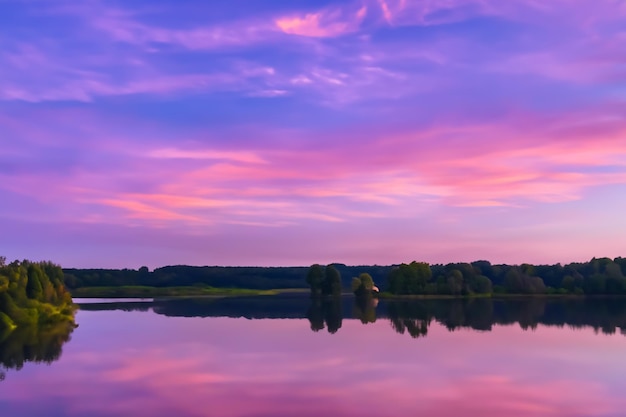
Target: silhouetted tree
x,y
363,285
409,279
315,279
332,281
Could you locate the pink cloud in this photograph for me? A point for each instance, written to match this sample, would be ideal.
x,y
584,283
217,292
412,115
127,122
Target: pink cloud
x,y
433,12
368,125
323,24
237,156
41,70
86,86
386,12
367,72
269,93
556,161
592,62
126,25
144,211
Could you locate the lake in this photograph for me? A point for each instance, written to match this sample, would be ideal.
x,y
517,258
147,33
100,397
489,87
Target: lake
x,y
288,356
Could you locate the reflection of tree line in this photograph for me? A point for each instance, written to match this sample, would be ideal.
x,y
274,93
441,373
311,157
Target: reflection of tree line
x,y
33,344
235,307
606,316
325,311
413,317
328,312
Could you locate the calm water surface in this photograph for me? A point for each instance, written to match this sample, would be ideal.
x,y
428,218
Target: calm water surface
x,y
290,357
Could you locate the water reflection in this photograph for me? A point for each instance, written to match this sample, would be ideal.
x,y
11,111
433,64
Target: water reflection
x,y
413,317
244,357
364,309
32,344
325,312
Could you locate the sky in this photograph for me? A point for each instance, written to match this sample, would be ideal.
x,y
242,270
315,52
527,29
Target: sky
x,y
292,132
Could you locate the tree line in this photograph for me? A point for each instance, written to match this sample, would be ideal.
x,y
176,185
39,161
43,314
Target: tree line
x,y
598,276
602,276
260,278
32,293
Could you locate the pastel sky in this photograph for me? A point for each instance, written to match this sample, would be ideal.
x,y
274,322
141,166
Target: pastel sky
x,y
291,132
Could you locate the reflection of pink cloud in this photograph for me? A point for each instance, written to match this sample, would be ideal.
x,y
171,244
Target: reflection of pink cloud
x,y
154,366
497,395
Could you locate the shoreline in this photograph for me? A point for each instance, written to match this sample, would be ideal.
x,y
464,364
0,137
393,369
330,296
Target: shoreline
x,y
123,292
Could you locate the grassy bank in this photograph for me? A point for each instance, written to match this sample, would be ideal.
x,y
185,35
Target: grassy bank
x,y
136,291
389,296
495,296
